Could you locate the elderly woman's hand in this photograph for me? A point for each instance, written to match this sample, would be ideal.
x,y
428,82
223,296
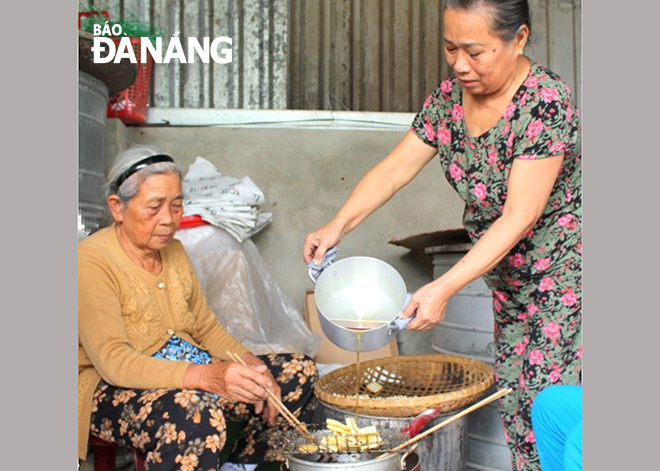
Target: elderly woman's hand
x,y
269,411
430,302
231,381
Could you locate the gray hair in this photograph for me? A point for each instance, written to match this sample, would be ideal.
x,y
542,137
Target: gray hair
x,y
509,16
131,186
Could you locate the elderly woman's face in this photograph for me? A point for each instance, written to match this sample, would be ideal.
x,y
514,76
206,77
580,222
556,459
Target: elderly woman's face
x,y
152,217
483,63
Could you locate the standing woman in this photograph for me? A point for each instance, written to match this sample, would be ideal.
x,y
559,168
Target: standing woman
x,y
508,137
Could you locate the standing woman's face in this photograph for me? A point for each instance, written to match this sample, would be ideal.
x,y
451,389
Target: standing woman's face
x,y
483,63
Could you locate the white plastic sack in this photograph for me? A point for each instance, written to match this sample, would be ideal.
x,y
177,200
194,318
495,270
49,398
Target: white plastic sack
x,y
224,201
245,298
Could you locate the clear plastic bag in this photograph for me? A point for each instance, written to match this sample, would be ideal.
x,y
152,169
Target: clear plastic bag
x,y
245,298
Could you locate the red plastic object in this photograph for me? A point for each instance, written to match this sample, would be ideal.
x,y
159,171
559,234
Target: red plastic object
x,y
131,105
192,221
106,452
419,422
84,14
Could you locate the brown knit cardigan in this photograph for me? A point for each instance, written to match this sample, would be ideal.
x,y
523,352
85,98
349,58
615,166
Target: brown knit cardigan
x,y
125,314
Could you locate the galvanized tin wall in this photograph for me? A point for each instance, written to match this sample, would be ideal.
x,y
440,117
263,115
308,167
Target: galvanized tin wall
x,y
376,55
366,55
256,77
387,55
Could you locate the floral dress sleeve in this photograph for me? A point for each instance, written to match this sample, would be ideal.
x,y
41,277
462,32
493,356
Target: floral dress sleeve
x,y
431,123
425,121
548,123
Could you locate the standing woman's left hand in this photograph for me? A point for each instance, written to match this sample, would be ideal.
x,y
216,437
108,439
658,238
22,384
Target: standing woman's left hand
x,y
430,301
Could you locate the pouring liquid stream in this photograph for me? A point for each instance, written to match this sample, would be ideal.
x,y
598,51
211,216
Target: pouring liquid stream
x,y
358,341
358,327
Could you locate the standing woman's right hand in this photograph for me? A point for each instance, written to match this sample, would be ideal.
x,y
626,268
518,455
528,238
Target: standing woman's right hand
x,y
318,242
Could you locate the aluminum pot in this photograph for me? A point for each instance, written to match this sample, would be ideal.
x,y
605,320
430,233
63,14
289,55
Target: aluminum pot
x,y
364,292
395,462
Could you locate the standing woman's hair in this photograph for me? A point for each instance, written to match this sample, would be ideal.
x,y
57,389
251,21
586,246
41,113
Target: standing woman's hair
x,y
129,187
508,15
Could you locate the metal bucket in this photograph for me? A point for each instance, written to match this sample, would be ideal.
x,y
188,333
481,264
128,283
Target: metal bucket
x,y
468,330
389,463
365,293
92,105
411,462
443,450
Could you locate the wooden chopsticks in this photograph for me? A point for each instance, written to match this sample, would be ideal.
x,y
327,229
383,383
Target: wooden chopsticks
x,y
286,413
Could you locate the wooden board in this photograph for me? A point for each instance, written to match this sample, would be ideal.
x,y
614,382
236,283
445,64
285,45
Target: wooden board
x,y
423,246
330,353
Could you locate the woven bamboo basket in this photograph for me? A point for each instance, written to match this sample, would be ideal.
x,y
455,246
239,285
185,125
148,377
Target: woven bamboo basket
x,y
411,384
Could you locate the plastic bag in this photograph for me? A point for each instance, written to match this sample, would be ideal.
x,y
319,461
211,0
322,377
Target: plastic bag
x,y
245,298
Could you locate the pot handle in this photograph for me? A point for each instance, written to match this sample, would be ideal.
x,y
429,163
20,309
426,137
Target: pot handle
x,y
398,323
406,454
314,271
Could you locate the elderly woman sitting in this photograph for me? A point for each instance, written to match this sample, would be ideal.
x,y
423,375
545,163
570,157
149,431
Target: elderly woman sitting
x,y
153,369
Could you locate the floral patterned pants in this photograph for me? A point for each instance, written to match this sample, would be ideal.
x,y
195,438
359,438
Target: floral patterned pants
x,y
538,342
185,430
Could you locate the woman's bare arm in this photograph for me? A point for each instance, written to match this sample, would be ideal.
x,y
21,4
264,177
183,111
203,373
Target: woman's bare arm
x,y
394,172
528,191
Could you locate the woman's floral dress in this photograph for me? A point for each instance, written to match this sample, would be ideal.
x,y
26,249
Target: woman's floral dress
x,y
537,286
184,429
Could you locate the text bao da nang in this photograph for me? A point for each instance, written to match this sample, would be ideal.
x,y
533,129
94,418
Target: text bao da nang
x,y
106,49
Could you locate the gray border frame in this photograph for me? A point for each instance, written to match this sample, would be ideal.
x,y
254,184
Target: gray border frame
x,y
621,168
39,235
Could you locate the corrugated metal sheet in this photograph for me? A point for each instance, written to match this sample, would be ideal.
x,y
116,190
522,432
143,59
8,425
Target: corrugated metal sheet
x,y
387,55
378,55
367,55
256,77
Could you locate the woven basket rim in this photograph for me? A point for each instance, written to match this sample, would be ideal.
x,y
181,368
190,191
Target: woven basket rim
x,y
408,405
